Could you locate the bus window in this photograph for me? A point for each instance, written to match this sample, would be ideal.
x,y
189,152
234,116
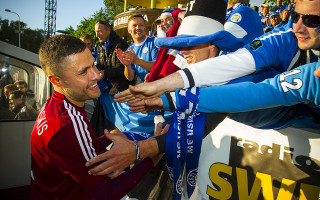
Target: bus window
x,y
24,87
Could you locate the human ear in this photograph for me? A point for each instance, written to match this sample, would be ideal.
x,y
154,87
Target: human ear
x,y
54,80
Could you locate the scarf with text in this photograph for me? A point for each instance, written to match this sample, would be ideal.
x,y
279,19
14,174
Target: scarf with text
x,y
184,139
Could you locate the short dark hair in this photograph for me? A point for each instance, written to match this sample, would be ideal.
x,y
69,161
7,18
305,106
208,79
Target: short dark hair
x,y
54,50
135,16
233,2
17,94
86,36
21,82
104,22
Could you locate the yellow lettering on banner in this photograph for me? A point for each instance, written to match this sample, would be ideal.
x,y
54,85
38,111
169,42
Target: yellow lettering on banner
x,y
225,191
309,192
261,181
286,189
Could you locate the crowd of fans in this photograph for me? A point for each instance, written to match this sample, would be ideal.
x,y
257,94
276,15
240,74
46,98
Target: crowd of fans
x,y
276,17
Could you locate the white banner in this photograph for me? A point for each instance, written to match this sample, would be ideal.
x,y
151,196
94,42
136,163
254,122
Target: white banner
x,y
241,162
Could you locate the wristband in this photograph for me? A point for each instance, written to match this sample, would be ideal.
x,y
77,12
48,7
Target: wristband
x,y
137,149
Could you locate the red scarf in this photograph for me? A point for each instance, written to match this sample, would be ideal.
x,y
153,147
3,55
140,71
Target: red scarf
x,y
163,65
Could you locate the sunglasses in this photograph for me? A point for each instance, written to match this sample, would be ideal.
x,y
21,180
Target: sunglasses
x,y
311,21
103,22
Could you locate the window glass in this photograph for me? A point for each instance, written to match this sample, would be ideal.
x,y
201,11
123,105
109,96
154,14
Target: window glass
x,y
23,88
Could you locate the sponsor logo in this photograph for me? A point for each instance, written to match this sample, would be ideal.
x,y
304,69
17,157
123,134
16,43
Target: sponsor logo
x,y
192,177
236,18
255,45
179,185
259,171
145,50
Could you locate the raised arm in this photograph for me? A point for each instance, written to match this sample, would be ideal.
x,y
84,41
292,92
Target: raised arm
x,y
286,89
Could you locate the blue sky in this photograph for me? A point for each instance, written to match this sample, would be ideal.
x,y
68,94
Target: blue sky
x,y
32,12
69,12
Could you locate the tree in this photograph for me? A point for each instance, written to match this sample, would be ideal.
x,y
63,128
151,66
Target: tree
x,y
113,8
30,39
273,3
87,24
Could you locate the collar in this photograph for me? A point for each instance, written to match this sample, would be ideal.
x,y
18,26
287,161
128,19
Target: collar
x,y
141,43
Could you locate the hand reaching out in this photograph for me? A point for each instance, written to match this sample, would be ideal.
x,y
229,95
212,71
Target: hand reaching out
x,y
146,105
150,89
140,91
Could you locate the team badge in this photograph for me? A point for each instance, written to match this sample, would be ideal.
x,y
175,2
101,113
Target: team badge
x,y
192,177
145,50
179,185
255,44
236,17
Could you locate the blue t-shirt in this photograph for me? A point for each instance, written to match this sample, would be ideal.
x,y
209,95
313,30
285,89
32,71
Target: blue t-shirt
x,y
146,51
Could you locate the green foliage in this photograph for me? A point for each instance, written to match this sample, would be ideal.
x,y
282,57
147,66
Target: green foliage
x,y
30,39
273,3
113,8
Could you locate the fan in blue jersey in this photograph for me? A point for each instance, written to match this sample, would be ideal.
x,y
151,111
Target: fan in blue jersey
x,y
275,21
141,51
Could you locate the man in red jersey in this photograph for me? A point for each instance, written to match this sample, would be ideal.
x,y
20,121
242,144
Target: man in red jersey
x,y
62,139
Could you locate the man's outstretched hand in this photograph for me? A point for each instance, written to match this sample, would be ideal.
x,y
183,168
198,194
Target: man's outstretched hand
x,y
146,105
150,89
138,92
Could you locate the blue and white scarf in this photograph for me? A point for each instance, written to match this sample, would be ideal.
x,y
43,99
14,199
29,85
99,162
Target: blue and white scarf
x,y
184,139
